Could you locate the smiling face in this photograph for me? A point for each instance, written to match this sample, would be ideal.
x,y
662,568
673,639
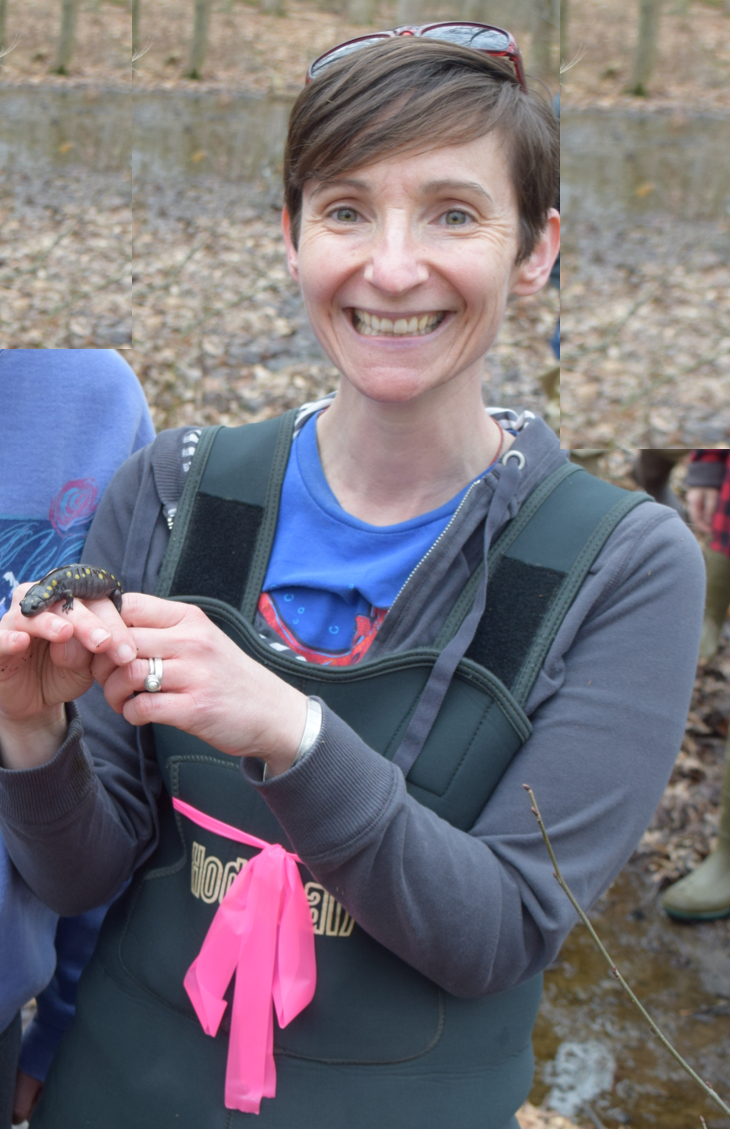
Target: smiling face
x,y
406,265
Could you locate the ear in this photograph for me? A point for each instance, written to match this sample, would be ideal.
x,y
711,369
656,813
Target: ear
x,y
292,255
532,274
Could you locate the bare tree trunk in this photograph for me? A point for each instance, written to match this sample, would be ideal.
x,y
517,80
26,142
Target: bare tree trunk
x,y
69,11
135,27
564,16
646,47
3,11
543,37
200,38
360,11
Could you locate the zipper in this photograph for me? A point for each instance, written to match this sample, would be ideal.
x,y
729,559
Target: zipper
x,y
429,551
441,535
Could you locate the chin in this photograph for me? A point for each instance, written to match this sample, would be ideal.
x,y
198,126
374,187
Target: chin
x,y
392,390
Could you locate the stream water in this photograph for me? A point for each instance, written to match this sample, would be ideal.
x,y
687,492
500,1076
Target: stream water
x,y
598,1060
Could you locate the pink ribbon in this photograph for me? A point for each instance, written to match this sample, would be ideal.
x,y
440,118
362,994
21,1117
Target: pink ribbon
x,y
263,932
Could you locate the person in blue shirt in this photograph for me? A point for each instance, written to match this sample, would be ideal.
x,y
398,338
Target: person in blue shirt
x,y
70,418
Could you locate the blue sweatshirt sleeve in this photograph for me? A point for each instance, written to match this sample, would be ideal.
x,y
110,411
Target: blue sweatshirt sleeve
x,y
75,942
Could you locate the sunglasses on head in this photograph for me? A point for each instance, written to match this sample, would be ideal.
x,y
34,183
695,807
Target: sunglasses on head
x,y
480,37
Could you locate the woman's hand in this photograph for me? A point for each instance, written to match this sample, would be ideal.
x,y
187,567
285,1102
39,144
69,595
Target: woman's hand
x,y
45,661
210,688
702,503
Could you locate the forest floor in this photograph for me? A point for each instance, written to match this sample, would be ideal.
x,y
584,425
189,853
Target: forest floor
x,y
646,300
645,345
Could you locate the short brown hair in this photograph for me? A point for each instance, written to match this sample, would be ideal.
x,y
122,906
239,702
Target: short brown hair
x,y
410,95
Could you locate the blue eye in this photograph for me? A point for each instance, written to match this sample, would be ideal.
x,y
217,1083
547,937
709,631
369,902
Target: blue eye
x,y
345,215
455,218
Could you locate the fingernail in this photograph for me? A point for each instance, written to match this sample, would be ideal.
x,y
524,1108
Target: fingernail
x,y
57,625
99,636
125,654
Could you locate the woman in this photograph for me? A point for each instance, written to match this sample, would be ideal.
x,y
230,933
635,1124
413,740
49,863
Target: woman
x,y
406,608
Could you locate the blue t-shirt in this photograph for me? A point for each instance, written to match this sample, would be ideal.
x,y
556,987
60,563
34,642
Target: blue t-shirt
x,y
331,577
69,418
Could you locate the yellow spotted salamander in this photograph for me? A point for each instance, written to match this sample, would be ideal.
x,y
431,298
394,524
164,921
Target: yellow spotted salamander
x,y
71,580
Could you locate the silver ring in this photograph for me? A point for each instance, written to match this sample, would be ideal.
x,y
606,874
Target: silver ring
x,y
514,455
153,681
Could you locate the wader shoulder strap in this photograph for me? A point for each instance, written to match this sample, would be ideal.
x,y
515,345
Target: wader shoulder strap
x,y
225,523
536,569
226,520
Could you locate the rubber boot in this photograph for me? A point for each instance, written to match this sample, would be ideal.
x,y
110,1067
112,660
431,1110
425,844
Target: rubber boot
x,y
651,471
717,601
705,893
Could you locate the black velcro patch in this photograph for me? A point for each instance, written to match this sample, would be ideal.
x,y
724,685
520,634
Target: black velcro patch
x,y
218,549
518,596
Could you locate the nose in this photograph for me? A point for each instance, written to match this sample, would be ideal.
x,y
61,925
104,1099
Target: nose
x,y
396,263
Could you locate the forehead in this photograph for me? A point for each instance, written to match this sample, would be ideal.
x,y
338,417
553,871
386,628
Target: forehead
x,y
481,166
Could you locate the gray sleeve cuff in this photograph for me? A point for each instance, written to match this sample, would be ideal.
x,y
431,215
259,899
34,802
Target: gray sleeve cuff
x,y
49,792
709,475
333,797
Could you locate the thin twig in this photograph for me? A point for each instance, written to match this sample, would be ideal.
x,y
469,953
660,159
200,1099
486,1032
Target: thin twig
x,y
564,67
143,52
6,50
611,964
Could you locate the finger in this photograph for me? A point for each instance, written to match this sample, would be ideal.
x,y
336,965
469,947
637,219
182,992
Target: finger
x,y
13,641
140,610
98,626
175,642
164,709
47,625
102,666
71,655
124,681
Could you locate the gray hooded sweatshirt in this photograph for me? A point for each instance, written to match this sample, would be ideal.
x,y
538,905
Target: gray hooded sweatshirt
x,y
477,912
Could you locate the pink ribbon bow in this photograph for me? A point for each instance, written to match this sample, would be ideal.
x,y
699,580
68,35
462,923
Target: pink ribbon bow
x,y
263,932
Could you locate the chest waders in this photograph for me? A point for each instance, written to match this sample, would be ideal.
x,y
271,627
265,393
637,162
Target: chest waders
x,y
380,1046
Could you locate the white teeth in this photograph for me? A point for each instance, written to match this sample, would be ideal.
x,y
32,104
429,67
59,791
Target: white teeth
x,y
369,325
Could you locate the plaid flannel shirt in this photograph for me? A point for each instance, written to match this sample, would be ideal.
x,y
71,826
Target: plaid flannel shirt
x,y
712,469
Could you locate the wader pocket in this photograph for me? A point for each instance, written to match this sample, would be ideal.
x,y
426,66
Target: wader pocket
x,y
478,730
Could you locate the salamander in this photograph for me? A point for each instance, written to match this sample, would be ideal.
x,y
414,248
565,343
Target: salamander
x,y
68,581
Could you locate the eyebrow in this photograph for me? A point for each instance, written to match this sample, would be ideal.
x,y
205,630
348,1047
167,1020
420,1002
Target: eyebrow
x,y
457,186
429,189
325,185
